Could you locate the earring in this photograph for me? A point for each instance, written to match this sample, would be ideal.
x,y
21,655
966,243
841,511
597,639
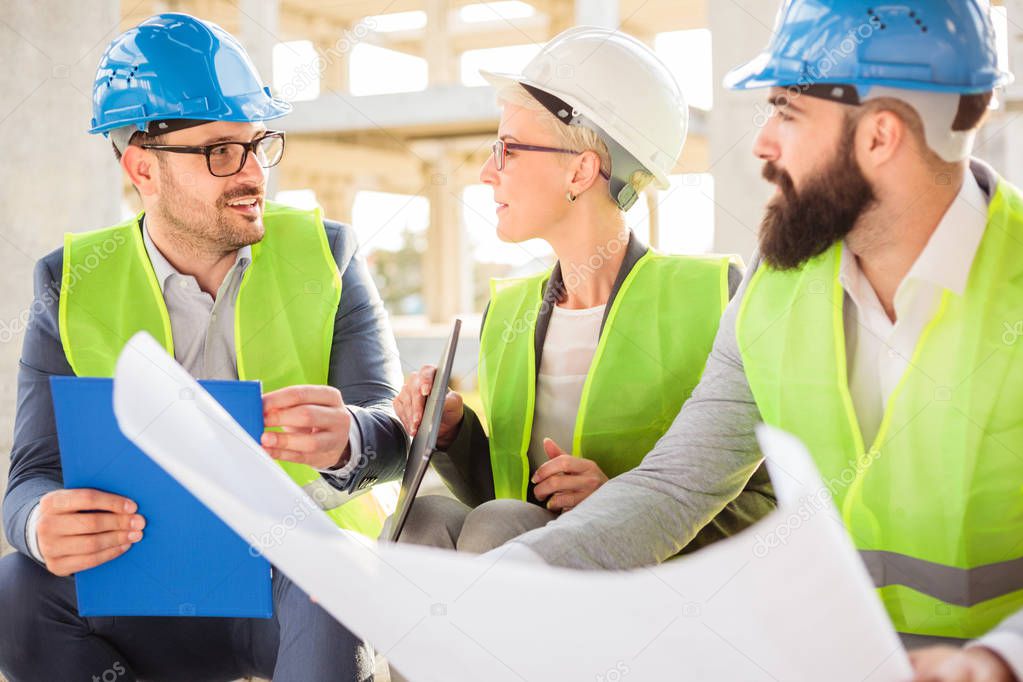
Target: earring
x,y
571,197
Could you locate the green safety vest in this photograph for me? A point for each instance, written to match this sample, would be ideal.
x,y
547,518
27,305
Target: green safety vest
x,y
935,506
651,353
283,326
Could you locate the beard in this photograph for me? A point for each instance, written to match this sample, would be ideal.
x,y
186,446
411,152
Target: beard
x,y
203,228
799,225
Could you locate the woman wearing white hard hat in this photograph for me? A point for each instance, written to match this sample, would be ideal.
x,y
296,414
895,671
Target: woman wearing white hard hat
x,y
582,368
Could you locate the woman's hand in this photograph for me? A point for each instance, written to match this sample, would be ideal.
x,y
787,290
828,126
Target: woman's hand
x,y
563,480
411,401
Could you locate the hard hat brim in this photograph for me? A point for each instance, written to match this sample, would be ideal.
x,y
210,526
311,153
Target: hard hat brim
x,y
764,71
242,109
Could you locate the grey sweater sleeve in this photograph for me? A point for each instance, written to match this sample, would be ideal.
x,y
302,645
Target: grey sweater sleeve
x,y
708,459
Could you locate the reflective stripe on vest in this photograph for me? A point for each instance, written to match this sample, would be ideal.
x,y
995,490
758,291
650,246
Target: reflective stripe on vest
x,y
935,505
284,318
651,353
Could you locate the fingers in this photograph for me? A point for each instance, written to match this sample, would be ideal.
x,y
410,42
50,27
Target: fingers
x,y
84,499
454,407
403,404
562,502
71,541
290,396
552,449
939,664
411,402
923,662
558,483
562,464
426,375
87,544
450,419
85,523
417,402
302,448
73,564
306,416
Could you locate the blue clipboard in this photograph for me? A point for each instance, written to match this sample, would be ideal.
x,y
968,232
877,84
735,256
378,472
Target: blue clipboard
x,y
189,562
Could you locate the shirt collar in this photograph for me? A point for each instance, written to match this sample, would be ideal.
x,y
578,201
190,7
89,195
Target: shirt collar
x,y
946,260
163,268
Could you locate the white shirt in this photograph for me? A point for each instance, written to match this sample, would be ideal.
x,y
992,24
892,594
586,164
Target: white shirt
x,y
879,350
572,337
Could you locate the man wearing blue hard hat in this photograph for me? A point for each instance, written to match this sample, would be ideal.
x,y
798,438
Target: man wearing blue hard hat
x,y
236,287
871,324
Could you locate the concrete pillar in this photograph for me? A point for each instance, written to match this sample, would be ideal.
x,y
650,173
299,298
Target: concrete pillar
x,y
54,177
337,197
603,13
259,26
447,277
561,14
740,30
332,51
441,60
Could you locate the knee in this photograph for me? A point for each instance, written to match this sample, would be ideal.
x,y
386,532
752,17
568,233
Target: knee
x,y
323,641
21,582
434,521
496,522
25,588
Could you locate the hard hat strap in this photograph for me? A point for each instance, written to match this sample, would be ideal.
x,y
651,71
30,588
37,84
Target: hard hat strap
x,y
623,164
937,111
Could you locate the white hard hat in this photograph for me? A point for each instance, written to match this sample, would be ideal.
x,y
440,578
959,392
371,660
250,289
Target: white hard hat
x,y
617,86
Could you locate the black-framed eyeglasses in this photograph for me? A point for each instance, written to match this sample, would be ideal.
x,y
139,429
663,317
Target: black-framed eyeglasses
x,y
227,158
500,151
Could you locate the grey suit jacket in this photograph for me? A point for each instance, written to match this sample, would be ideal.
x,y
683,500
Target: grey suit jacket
x,y
364,366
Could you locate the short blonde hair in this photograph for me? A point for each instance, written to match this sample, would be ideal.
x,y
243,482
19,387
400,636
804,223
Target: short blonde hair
x,y
577,138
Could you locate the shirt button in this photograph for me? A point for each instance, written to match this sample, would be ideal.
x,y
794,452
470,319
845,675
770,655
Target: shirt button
x,y
183,283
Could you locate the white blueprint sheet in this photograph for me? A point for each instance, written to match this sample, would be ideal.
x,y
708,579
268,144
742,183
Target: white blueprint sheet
x,y
786,600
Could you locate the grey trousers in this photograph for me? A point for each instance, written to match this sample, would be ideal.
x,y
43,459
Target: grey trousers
x,y
437,521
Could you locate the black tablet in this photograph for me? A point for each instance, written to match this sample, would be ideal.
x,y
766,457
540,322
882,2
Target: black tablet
x,y
425,441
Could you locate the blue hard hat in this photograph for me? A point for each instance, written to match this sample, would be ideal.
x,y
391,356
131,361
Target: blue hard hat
x,y
174,66
936,45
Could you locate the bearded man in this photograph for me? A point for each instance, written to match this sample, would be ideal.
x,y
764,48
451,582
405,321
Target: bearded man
x,y
871,324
